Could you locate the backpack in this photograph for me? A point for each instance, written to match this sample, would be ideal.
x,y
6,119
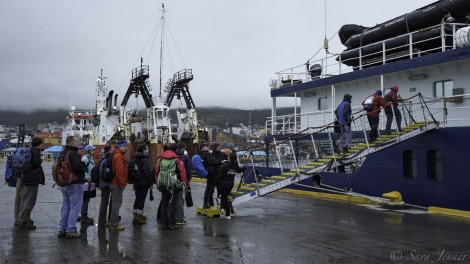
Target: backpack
x,y
387,98
95,173
369,103
167,177
21,160
64,173
134,172
199,166
107,169
10,175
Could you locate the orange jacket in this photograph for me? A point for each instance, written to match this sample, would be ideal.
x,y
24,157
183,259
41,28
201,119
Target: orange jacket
x,y
119,169
378,101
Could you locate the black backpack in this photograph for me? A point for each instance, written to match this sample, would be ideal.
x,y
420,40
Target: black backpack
x,y
95,173
107,169
133,170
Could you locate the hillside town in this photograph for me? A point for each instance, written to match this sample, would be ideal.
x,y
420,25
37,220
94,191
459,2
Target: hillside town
x,y
231,136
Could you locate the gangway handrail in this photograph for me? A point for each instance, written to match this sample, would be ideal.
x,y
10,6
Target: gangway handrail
x,y
337,160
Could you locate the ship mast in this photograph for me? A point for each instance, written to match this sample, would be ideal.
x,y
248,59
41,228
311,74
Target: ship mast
x,y
161,46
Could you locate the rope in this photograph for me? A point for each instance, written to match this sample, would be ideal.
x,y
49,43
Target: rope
x,y
355,194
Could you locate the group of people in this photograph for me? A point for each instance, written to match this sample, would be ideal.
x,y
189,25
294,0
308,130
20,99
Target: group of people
x,y
343,114
218,167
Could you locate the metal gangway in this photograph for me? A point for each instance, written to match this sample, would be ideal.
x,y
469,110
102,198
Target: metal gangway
x,y
312,151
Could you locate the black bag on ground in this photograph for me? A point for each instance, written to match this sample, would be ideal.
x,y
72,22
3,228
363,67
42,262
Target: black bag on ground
x,y
189,198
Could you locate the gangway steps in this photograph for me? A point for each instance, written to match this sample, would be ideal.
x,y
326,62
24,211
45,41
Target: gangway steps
x,y
294,175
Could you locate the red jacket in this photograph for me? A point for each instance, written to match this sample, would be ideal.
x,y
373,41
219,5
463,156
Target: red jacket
x,y
393,98
119,169
378,101
169,154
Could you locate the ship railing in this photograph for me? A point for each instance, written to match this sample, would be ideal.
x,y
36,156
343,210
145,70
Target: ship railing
x,y
334,64
455,106
297,152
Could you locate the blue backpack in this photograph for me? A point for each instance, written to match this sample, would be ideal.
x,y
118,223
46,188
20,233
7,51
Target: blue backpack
x,y
10,176
21,160
198,166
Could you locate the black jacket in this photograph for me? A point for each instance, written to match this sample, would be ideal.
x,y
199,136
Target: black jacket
x,y
227,171
143,164
211,164
75,161
36,162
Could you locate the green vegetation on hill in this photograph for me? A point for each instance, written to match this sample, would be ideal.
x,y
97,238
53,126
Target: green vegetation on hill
x,y
211,116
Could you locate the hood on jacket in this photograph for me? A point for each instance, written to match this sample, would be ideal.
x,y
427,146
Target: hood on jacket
x,y
169,154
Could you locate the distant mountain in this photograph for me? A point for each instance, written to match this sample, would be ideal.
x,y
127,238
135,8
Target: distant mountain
x,y
211,116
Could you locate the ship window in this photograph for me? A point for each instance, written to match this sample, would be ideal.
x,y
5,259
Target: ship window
x,y
410,164
434,164
443,88
323,103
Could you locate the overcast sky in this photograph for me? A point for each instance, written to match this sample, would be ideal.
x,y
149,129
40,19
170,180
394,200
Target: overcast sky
x,y
51,51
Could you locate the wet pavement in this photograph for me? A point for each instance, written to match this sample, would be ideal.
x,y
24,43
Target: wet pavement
x,y
277,228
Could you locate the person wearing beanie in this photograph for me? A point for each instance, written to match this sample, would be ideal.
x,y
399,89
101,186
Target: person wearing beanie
x,y
343,115
118,184
220,157
392,109
373,115
211,165
226,179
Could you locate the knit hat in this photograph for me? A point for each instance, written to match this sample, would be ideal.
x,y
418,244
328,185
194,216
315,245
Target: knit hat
x,y
90,147
347,97
201,146
379,92
395,88
215,145
122,143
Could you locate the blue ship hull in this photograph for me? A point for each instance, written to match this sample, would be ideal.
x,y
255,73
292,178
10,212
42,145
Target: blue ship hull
x,y
383,172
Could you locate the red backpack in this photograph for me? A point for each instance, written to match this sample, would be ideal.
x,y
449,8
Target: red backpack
x,y
65,174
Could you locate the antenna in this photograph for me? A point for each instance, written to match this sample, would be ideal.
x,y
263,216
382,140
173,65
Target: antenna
x,y
161,46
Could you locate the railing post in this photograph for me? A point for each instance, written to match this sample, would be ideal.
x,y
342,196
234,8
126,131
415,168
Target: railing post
x,y
410,39
453,36
365,136
384,55
360,58
278,154
294,156
443,40
332,146
314,146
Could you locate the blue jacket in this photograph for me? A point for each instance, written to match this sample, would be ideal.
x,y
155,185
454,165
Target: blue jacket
x,y
199,166
344,112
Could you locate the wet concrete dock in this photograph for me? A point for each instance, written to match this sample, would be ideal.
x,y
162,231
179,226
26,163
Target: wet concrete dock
x,y
277,228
